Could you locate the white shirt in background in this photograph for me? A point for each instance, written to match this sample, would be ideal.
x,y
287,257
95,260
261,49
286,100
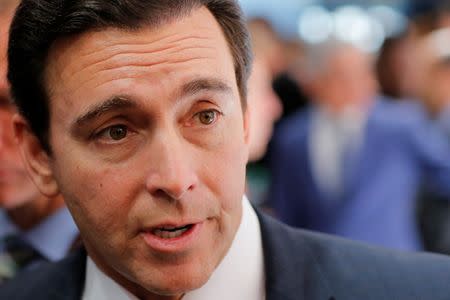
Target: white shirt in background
x,y
331,135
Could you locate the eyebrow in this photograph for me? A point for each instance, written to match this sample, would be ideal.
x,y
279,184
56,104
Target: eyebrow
x,y
113,104
117,103
205,84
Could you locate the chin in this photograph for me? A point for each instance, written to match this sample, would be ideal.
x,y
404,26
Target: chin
x,y
179,285
177,280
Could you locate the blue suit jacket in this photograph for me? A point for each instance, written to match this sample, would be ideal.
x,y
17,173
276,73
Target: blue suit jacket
x,y
298,265
400,147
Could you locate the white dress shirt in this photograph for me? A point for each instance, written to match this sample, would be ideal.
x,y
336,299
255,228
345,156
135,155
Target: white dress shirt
x,y
240,275
331,135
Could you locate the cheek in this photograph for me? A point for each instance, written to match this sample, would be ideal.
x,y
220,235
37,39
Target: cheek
x,y
101,205
225,174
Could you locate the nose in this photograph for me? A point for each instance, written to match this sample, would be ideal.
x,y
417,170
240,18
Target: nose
x,y
172,172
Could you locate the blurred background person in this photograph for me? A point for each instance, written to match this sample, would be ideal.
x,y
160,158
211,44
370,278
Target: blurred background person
x,y
434,89
276,93
427,16
434,93
396,67
33,228
264,108
281,55
352,165
288,85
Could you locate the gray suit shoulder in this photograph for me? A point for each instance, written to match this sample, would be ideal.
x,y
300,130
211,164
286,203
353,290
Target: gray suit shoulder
x,y
358,268
319,266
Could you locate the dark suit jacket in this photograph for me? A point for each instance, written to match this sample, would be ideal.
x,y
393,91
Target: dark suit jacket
x,y
299,265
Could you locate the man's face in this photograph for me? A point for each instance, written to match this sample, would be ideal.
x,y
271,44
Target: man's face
x,y
149,149
437,86
348,80
434,87
16,188
264,108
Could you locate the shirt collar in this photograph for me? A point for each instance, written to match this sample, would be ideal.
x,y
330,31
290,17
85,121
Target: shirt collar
x,y
240,275
52,238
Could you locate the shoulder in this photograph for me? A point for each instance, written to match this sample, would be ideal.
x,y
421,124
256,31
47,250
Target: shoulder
x,y
400,114
51,281
335,267
296,121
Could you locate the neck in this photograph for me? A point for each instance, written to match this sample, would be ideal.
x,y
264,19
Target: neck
x,y
30,214
132,287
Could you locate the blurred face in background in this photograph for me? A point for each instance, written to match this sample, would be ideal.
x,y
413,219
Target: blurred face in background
x,y
264,108
397,69
437,93
16,188
434,62
347,80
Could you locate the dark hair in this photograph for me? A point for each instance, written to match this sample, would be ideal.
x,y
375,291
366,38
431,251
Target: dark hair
x,y
39,23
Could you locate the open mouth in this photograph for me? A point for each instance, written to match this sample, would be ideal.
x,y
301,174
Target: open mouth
x,y
172,237
170,232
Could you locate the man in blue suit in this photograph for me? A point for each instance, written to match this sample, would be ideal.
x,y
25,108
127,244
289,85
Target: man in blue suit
x,y
142,127
352,164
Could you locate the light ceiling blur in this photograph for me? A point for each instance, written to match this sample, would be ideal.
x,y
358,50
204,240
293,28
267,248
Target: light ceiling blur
x,y
365,23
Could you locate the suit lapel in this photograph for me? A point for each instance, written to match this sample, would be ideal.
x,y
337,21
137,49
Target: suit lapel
x,y
366,162
69,283
292,270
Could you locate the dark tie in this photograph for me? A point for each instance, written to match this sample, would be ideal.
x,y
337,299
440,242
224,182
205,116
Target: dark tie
x,y
17,255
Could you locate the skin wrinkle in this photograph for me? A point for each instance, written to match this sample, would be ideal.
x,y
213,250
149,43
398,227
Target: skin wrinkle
x,y
124,45
147,65
172,49
158,50
120,45
168,61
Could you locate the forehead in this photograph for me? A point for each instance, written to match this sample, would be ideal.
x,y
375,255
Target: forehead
x,y
99,60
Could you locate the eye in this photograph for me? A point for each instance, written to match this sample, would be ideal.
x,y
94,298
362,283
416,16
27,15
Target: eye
x,y
116,132
207,117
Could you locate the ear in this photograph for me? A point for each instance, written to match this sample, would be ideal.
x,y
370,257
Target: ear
x,y
36,159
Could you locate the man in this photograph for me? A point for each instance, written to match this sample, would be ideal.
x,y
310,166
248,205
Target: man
x,y
352,165
433,56
433,59
264,109
42,223
147,142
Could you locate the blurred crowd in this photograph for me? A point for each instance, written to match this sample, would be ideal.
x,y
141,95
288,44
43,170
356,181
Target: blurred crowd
x,y
362,149
360,143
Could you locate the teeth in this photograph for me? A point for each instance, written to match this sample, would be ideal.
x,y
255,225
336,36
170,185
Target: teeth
x,y
170,233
